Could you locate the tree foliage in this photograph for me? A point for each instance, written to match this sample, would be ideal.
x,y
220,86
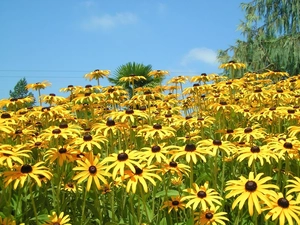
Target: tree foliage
x,y
138,69
20,91
271,31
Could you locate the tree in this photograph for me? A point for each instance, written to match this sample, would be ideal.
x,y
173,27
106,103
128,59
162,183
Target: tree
x,y
134,69
20,91
272,37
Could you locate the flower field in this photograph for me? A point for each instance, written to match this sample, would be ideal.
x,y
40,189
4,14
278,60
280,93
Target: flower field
x,y
224,150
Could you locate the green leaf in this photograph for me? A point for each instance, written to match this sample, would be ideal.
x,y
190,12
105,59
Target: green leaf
x,y
169,193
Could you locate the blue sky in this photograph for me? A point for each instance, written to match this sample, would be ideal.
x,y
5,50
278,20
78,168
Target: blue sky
x,y
61,40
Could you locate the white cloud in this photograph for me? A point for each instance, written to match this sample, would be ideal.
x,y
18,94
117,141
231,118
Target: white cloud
x,y
110,21
205,55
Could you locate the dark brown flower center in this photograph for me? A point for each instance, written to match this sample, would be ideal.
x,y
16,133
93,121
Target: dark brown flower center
x,y
223,103
255,149
88,86
26,168
129,111
56,223
283,202
37,143
110,123
122,156
201,194
229,131
56,131
87,137
217,142
157,126
251,186
291,111
62,150
257,90
248,130
52,94
175,203
18,132
138,171
190,147
209,216
5,116
288,145
63,125
173,164
92,169
155,148
70,185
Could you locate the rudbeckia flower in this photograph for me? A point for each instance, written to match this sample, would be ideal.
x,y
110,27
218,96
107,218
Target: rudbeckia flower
x,y
249,134
284,209
157,131
210,216
175,167
202,196
120,162
11,154
58,220
61,154
175,204
156,153
88,142
254,153
213,146
253,190
21,173
191,152
140,176
91,169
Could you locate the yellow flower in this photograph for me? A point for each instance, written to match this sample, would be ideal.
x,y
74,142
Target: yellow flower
x,y
250,134
91,169
11,154
191,152
232,64
174,167
88,142
58,220
254,153
175,203
20,174
62,153
253,189
157,131
213,146
38,85
283,208
120,162
158,73
202,196
140,176
210,217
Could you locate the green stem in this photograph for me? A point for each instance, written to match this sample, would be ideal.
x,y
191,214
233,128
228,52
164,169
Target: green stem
x,y
33,204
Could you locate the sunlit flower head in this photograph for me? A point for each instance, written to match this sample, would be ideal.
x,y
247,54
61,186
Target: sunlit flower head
x,y
22,173
202,196
140,176
60,219
254,190
210,216
91,169
283,208
122,161
175,204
